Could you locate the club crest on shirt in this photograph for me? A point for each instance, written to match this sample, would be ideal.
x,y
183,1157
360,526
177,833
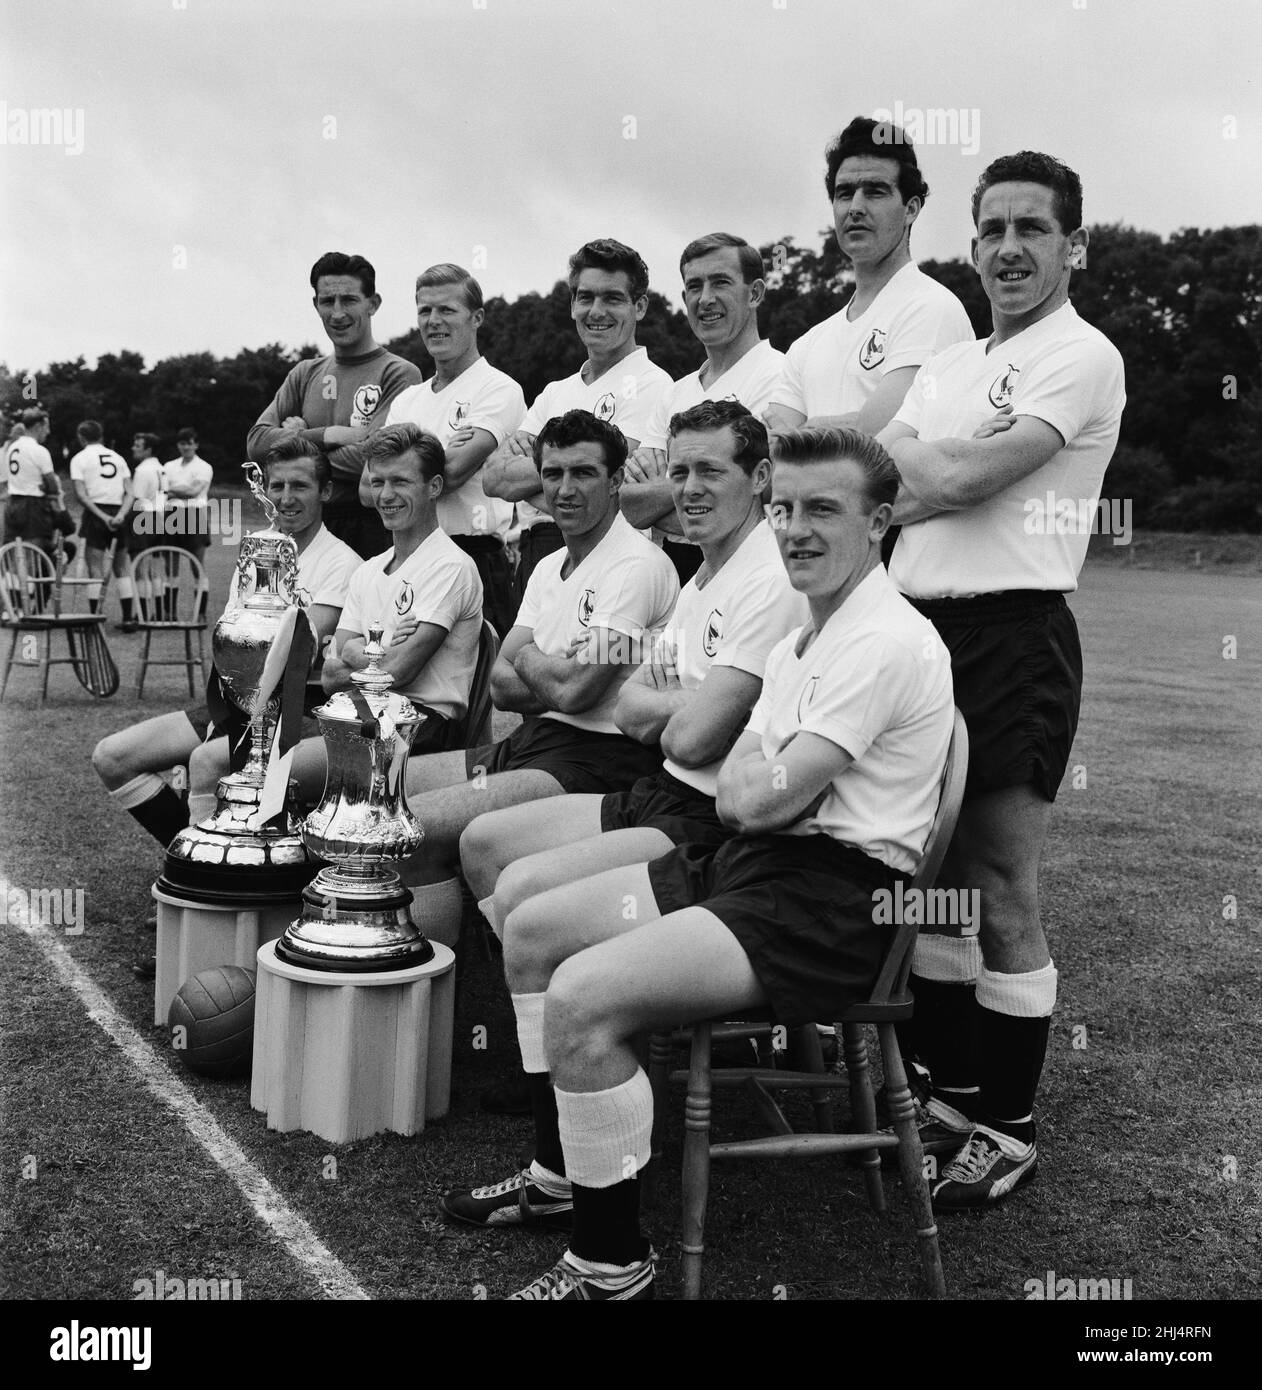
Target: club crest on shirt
x,y
872,353
403,599
459,414
586,606
604,407
1002,387
806,697
713,634
366,399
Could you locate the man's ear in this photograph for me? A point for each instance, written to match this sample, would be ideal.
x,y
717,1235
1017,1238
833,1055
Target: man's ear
x,y
1078,249
879,521
374,303
972,256
641,307
479,316
760,478
757,292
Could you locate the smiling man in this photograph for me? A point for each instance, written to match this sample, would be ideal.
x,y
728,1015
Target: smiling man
x,y
723,287
589,613
338,401
996,593
831,791
855,367
471,408
609,285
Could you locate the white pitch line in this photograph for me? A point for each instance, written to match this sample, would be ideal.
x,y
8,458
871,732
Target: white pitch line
x,y
302,1243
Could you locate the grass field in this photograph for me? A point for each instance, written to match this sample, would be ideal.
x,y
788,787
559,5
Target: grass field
x,y
1151,1112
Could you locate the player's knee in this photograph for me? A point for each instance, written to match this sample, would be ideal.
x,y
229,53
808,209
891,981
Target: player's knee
x,y
516,884
111,761
529,950
577,1021
477,843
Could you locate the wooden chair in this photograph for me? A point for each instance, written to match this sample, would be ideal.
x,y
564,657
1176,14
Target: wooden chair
x,y
477,720
31,601
889,1002
171,597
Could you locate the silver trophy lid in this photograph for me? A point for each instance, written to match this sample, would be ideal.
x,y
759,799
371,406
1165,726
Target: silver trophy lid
x,y
374,684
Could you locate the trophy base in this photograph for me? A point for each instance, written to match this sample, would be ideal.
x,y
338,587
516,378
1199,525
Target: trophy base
x,y
222,860
354,921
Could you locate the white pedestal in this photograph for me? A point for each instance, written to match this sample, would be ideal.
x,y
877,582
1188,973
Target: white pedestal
x,y
196,936
347,1055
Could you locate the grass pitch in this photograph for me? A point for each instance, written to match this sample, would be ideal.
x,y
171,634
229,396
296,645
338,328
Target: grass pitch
x,y
1150,1113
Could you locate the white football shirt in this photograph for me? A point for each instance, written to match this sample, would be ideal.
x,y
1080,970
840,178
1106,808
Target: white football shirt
x,y
481,397
835,367
751,381
26,464
626,585
102,472
876,682
1059,370
438,583
735,620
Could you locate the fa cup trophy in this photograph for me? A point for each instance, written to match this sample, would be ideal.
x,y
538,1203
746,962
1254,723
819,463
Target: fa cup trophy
x,y
228,856
355,916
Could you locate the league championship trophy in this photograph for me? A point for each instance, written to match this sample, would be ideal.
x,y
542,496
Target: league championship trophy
x,y
228,857
356,910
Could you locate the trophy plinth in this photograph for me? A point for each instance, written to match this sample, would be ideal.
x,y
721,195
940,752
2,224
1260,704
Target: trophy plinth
x,y
356,911
223,858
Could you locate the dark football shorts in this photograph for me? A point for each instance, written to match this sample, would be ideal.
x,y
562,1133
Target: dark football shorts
x,y
95,532
801,908
682,813
1017,668
581,761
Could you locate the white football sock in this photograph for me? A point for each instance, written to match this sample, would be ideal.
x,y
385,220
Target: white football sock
x,y
138,790
1031,994
529,1011
952,960
605,1135
200,805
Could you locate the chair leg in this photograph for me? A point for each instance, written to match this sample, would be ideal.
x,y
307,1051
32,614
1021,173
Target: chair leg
x,y
863,1108
8,665
659,1079
144,665
48,661
188,663
809,1055
911,1160
696,1169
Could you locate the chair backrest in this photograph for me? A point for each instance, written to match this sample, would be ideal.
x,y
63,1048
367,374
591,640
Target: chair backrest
x,y
478,720
28,582
892,979
170,583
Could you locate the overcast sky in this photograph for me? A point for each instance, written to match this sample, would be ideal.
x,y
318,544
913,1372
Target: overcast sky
x,y
225,144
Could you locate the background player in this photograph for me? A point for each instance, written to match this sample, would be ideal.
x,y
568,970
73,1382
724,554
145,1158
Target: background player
x,y
102,483
996,593
33,486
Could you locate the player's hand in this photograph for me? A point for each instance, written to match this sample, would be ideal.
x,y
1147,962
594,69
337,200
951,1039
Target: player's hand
x,y
116,523
580,648
333,672
997,424
293,422
462,436
518,446
646,465
405,629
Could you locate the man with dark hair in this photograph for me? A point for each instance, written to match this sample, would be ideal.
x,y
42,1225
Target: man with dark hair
x,y
471,408
338,401
994,586
102,483
588,616
855,367
186,483
723,287
831,792
618,384
128,762
33,487
144,526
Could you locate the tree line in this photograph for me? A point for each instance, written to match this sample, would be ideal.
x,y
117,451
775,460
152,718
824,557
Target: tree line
x,y
1184,311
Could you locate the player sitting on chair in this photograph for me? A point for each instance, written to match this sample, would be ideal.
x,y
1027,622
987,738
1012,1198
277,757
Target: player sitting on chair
x,y
298,478
832,789
695,693
425,593
589,614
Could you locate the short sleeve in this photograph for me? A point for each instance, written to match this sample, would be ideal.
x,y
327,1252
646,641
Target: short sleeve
x,y
1069,386
635,594
499,408
446,595
634,412
765,612
790,391
925,324
856,700
541,412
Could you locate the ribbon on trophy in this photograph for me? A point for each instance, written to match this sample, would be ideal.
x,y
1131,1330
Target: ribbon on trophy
x,y
288,662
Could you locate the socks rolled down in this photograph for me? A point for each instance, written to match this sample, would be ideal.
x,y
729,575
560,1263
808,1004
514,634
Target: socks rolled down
x,y
437,909
1014,1015
200,805
605,1136
941,1032
150,802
